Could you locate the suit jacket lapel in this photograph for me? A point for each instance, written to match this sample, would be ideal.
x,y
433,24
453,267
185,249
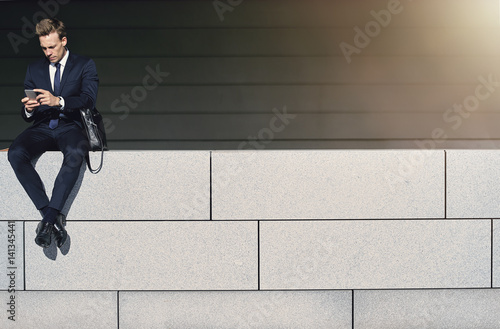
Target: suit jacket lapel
x,y
46,76
66,72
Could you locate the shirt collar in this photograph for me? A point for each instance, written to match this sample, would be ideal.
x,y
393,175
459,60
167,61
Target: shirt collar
x,y
63,60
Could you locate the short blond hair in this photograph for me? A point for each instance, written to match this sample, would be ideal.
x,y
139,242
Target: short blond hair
x,y
49,25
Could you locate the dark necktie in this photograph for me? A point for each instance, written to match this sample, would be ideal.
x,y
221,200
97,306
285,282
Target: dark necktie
x,y
57,86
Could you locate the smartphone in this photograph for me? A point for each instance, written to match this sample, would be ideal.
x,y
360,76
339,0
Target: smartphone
x,y
31,94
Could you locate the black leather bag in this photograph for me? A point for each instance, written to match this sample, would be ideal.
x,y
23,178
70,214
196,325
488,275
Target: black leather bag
x,y
96,134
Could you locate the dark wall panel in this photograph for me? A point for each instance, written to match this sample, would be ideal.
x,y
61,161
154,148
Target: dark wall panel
x,y
220,75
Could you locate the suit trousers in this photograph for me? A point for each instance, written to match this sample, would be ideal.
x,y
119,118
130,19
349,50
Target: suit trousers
x,y
68,138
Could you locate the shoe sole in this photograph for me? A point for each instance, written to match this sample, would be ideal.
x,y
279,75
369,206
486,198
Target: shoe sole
x,y
61,240
43,245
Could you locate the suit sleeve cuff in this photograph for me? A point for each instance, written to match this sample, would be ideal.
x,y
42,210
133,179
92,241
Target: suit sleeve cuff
x,y
62,103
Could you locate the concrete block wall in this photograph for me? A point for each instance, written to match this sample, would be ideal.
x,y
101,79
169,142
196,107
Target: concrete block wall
x,y
261,239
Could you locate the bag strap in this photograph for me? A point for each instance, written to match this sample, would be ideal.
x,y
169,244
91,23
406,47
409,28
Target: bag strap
x,y
95,171
87,158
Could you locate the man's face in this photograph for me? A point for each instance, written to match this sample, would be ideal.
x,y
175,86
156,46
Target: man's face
x,y
53,47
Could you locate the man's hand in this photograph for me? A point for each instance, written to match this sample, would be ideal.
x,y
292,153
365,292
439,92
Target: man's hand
x,y
46,98
30,104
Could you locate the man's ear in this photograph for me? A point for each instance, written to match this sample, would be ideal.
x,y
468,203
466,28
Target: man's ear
x,y
64,41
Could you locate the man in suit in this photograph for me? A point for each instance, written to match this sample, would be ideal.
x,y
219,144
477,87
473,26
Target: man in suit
x,y
65,83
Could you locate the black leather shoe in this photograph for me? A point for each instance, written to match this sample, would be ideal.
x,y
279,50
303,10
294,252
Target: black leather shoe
x,y
44,234
59,230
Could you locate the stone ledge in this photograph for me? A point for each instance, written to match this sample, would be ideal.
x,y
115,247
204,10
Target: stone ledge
x,y
236,309
469,308
61,309
345,184
133,185
398,254
473,183
170,255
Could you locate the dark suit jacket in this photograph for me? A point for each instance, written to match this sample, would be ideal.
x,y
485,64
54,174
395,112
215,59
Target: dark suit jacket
x,y
78,87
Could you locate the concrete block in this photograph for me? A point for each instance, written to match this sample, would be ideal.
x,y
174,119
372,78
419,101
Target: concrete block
x,y
11,255
473,183
327,184
496,253
375,254
60,309
14,202
133,185
236,309
170,255
453,309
